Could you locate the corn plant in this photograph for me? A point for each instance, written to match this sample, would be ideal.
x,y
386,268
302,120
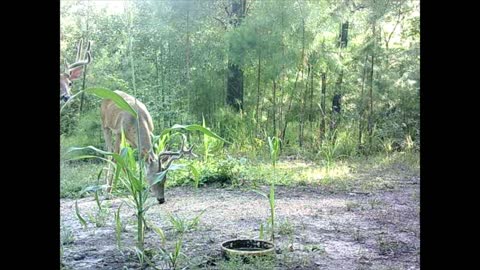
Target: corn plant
x,y
119,228
131,177
127,171
158,231
100,217
274,144
206,143
195,173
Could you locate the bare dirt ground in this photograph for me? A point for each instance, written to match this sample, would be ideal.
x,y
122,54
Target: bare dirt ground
x,y
377,229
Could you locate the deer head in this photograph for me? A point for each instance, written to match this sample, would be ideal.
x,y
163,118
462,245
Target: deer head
x,y
74,71
161,163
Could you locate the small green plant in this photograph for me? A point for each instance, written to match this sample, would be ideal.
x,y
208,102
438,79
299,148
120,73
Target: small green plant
x,y
374,202
79,216
100,217
158,231
285,228
314,248
182,225
274,144
172,258
140,255
207,142
351,206
66,236
195,173
119,228
132,178
357,236
386,247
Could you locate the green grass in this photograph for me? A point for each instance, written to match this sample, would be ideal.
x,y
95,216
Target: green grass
x,y
74,177
285,227
357,173
182,225
254,263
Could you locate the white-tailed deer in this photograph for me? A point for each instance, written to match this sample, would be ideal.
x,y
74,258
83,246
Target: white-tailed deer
x,y
74,71
114,120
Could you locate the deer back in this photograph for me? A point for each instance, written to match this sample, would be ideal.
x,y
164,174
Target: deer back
x,y
117,119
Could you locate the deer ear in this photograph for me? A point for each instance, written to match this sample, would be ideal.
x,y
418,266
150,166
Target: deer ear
x,y
75,73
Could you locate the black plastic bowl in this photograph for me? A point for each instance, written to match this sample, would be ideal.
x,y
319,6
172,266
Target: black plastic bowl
x,y
247,247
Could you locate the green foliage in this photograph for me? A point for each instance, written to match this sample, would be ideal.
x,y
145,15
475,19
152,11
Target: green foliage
x,y
222,172
181,51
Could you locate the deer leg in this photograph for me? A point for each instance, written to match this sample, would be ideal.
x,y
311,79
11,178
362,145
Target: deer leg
x,y
116,149
107,135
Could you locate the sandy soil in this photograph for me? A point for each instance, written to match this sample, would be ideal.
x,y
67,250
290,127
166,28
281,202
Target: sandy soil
x,y
328,230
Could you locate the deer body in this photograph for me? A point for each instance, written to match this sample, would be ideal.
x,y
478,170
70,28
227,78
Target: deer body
x,y
114,120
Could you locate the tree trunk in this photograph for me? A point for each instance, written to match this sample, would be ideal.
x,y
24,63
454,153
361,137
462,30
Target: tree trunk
x,y
235,73
157,74
164,71
310,112
370,116
302,115
235,87
274,108
257,112
82,96
361,111
336,108
284,130
281,77
323,107
187,53
187,63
